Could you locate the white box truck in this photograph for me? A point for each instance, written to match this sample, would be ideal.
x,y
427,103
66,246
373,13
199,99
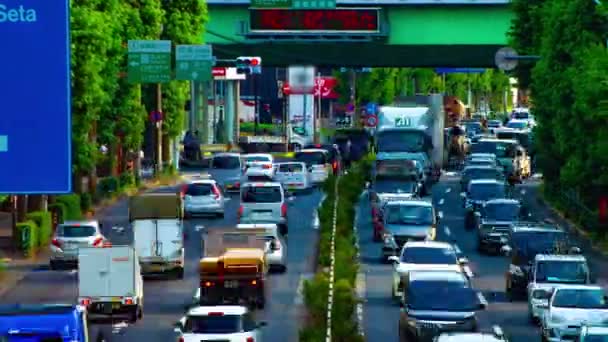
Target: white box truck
x,y
110,282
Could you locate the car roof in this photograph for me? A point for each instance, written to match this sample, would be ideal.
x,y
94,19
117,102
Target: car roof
x,y
578,287
261,184
202,181
266,155
428,244
227,154
412,202
485,181
502,201
479,167
512,141
468,337
519,120
312,150
482,154
225,309
437,275
558,257
81,223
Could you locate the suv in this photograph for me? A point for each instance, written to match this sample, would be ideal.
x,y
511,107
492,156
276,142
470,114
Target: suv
x,y
264,203
335,157
497,335
438,301
478,192
219,323
493,221
550,271
203,197
525,241
228,168
70,236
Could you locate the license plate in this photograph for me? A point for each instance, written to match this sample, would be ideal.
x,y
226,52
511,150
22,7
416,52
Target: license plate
x,y
262,216
229,186
231,284
156,268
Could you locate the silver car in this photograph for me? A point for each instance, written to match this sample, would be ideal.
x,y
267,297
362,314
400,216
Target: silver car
x,y
227,169
264,202
276,254
203,197
69,237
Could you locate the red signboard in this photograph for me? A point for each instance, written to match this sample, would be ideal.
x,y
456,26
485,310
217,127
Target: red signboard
x,y
288,90
327,20
325,87
218,72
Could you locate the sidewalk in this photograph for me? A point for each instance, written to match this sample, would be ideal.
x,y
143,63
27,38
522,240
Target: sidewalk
x,y
14,266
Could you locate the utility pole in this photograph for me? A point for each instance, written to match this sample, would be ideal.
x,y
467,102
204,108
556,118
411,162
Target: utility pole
x,y
317,120
159,128
353,95
256,112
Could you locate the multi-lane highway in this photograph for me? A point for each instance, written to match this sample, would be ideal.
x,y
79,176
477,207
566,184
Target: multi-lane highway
x,y
381,313
165,299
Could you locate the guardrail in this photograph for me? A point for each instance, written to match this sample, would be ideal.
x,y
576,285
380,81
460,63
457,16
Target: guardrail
x,y
332,258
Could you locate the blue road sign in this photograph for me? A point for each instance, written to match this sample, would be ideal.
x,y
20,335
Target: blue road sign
x,y
35,124
460,70
371,108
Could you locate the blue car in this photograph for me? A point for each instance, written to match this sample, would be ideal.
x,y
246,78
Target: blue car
x,y
34,323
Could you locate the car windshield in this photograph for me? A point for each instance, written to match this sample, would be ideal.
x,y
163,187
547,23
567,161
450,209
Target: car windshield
x,y
221,324
291,167
517,125
311,158
529,243
429,256
409,214
486,191
480,173
76,231
473,127
521,115
596,338
441,296
580,299
554,271
199,190
500,149
262,194
494,123
394,186
226,162
401,141
501,211
481,162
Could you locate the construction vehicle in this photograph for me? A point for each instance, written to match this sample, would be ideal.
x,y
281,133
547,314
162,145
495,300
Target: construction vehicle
x,y
233,268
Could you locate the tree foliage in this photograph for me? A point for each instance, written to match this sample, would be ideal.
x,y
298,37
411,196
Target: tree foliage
x,y
569,86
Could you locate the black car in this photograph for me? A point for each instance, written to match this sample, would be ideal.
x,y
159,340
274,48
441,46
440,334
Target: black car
x,y
435,302
478,192
525,241
473,172
335,157
493,221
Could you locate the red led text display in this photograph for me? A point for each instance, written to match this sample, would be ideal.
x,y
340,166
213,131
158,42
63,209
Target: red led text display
x,y
336,20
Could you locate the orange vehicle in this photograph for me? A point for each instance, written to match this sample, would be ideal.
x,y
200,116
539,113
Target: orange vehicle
x,y
233,269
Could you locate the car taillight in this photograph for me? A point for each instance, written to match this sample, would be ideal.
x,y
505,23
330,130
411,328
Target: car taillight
x,y
56,243
216,191
250,339
215,314
85,302
240,212
283,209
128,301
98,242
266,166
184,189
237,184
254,282
181,339
208,284
335,165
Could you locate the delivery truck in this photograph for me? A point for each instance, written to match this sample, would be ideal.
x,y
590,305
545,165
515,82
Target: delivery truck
x,y
110,282
157,223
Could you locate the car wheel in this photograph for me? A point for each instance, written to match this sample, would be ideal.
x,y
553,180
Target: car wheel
x,y
52,265
133,315
220,215
509,292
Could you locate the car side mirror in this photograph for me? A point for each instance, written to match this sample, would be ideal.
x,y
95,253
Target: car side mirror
x,y
506,250
262,324
393,259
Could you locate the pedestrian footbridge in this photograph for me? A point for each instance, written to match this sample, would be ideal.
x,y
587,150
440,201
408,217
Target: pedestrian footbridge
x,y
395,33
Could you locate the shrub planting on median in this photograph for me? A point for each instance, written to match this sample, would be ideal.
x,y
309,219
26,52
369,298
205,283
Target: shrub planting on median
x,y
344,324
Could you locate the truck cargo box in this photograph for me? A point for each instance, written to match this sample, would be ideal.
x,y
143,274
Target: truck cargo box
x,y
155,206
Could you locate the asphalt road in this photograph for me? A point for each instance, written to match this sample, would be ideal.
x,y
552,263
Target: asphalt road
x,y
381,314
165,299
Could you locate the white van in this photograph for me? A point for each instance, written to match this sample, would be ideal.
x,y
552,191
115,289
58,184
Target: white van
x,y
294,176
264,203
110,281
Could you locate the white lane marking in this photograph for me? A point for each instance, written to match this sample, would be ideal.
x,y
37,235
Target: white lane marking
x,y
316,223
441,201
448,190
450,173
440,214
118,229
198,228
482,299
118,327
447,232
468,272
523,191
361,290
299,299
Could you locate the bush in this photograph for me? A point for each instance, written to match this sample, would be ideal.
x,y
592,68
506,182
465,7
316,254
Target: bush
x,y
107,186
72,206
44,221
28,237
86,202
126,180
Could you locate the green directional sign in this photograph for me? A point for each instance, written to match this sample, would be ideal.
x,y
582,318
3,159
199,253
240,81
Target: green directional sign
x,y
149,61
193,62
271,3
314,4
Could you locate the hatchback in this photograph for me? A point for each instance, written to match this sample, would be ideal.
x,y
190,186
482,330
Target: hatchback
x,y
203,197
69,237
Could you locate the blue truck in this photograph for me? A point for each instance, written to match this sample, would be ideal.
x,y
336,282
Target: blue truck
x,y
43,323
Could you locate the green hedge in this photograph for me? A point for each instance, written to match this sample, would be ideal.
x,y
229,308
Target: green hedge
x,y
249,127
61,209
344,324
72,206
44,223
28,237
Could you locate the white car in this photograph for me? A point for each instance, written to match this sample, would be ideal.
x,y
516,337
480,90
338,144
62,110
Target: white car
x,y
203,197
276,254
69,237
219,323
518,124
258,167
293,175
425,256
317,161
571,307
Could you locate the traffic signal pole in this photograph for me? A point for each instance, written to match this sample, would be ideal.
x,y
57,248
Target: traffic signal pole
x,y
159,128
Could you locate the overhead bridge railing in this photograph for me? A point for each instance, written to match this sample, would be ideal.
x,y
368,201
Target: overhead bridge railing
x,y
317,36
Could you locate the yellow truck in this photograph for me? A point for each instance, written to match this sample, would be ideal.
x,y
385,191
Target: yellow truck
x,y
233,268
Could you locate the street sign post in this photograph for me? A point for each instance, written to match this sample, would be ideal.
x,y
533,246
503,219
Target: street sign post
x,y
371,120
194,62
371,108
35,128
149,61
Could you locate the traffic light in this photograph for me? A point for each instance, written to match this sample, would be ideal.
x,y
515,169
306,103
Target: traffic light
x,y
249,65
